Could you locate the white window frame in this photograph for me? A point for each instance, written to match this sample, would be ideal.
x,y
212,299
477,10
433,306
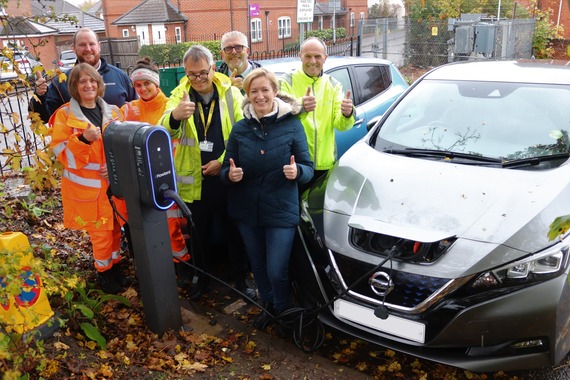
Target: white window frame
x,y
256,30
321,23
284,27
351,18
362,15
125,33
178,34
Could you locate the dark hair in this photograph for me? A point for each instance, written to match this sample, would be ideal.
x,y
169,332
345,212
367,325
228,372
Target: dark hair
x,y
145,63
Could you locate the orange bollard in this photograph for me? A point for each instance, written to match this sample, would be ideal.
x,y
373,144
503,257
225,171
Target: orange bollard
x,y
30,308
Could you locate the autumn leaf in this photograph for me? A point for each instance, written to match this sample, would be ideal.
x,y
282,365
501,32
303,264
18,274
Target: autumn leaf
x,y
559,226
249,347
362,366
61,346
266,367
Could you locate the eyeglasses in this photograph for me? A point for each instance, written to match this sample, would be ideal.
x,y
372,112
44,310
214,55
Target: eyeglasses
x,y
237,48
202,75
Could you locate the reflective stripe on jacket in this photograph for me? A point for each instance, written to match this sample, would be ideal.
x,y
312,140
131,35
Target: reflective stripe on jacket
x,y
187,158
319,124
83,190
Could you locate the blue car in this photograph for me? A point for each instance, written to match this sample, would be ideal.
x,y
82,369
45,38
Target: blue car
x,y
374,85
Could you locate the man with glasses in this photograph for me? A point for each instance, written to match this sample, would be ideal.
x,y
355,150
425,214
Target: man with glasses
x,y
234,55
200,113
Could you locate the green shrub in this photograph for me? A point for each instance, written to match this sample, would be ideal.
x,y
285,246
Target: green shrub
x,y
173,53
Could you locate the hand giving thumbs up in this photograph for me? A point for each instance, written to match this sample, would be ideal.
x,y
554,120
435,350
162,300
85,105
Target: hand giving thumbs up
x,y
290,170
185,108
309,101
346,106
235,174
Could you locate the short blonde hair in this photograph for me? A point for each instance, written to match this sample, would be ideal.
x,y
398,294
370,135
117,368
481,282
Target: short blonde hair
x,y
259,73
75,74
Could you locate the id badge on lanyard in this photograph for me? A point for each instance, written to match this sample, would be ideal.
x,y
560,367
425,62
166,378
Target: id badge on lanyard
x,y
206,146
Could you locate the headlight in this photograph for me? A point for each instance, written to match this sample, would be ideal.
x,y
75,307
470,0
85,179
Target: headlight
x,y
535,268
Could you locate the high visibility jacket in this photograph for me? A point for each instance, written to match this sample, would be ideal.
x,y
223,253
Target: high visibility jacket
x,y
83,190
187,158
319,124
150,111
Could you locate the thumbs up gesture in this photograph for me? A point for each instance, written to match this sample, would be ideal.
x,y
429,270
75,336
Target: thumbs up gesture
x,y
309,101
346,105
290,170
237,81
235,174
92,133
184,109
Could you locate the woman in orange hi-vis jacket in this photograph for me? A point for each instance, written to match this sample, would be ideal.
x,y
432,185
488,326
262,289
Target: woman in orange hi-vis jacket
x,y
149,108
77,143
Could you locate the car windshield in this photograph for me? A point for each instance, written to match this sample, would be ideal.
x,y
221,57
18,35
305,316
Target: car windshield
x,y
503,121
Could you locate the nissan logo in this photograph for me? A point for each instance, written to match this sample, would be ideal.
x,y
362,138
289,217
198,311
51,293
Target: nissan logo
x,y
381,283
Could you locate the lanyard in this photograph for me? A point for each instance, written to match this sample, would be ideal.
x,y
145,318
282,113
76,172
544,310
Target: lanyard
x,y
207,123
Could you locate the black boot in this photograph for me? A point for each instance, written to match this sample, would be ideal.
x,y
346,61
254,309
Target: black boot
x,y
265,317
184,275
201,288
108,282
120,277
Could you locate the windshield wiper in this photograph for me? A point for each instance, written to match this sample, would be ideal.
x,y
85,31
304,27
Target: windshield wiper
x,y
531,161
412,152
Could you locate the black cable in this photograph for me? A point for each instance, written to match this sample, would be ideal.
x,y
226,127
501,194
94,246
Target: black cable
x,y
296,319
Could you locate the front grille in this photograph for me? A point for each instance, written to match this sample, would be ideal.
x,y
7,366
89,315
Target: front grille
x,y
402,249
409,289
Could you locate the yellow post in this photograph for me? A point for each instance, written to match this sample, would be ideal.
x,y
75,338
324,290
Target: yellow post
x,y
30,308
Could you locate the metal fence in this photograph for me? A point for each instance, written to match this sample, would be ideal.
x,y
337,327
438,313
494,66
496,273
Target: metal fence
x,y
434,43
403,41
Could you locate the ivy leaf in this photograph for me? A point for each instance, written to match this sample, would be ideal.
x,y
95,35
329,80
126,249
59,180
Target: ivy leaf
x,y
93,333
559,227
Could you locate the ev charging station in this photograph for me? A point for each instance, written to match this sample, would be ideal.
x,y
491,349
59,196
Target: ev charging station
x,y
139,162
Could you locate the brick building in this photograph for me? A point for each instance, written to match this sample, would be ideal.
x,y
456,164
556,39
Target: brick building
x,y
271,23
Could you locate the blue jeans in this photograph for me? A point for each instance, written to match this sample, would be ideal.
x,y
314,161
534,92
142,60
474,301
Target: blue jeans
x,y
269,249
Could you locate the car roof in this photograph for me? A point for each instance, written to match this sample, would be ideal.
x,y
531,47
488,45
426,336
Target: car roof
x,y
286,64
517,71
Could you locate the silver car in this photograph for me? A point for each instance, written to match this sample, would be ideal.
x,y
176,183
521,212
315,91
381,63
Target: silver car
x,y
67,59
430,236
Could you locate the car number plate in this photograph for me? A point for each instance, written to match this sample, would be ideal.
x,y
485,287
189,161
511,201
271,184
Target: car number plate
x,y
394,325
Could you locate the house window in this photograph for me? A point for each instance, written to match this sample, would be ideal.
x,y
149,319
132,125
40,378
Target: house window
x,y
351,18
256,30
362,15
321,23
125,32
309,26
284,27
178,34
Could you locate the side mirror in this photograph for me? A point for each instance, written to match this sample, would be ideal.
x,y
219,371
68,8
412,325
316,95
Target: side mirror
x,y
373,122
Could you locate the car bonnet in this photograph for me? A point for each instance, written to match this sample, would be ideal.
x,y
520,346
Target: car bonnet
x,y
428,200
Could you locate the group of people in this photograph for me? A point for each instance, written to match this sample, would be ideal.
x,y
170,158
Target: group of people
x,y
245,143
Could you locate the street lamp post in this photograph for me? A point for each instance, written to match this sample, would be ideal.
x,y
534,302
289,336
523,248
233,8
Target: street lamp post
x,y
334,22
267,30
